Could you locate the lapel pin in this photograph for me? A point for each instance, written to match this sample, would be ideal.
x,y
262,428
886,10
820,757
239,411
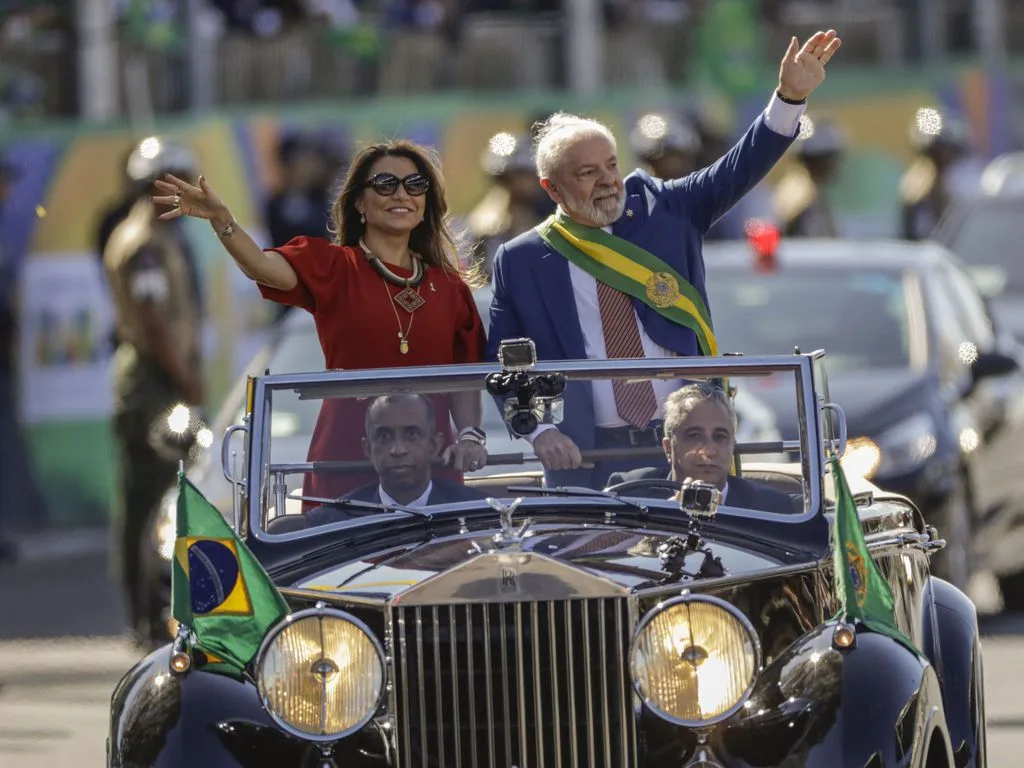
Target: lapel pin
x,y
629,213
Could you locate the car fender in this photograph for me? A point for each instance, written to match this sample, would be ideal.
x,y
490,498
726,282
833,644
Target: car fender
x,y
951,639
821,707
160,719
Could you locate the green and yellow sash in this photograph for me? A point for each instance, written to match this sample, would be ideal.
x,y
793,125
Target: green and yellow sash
x,y
634,271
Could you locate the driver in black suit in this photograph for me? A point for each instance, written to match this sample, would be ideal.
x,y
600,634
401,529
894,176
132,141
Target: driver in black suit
x,y
700,437
402,442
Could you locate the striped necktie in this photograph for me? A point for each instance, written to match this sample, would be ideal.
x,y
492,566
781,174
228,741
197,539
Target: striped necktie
x,y
635,401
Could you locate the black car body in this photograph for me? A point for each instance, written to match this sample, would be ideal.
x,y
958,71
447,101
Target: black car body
x,y
506,629
294,347
934,399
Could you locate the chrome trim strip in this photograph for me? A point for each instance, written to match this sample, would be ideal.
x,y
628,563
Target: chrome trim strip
x,y
538,715
505,682
457,719
438,687
487,673
424,741
604,669
553,651
471,678
623,690
574,744
406,725
524,757
589,684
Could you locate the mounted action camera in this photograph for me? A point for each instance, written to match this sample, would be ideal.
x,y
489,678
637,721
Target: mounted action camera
x,y
700,499
529,400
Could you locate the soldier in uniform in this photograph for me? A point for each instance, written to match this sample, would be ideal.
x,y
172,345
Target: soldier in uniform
x,y
924,189
667,145
515,201
799,200
157,366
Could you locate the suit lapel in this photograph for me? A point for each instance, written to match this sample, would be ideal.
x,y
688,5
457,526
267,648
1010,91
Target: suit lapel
x,y
632,218
551,273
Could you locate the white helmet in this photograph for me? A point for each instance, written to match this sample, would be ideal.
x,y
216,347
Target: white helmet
x,y
155,156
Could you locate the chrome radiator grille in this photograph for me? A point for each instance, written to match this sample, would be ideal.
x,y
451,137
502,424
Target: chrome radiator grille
x,y
532,685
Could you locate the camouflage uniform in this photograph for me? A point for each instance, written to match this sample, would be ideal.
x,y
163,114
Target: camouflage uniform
x,y
146,263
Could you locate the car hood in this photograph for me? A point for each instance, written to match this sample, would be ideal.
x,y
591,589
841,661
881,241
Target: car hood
x,y
553,559
869,398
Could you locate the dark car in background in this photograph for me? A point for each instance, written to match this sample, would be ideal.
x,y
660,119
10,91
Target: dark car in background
x,y
934,401
986,232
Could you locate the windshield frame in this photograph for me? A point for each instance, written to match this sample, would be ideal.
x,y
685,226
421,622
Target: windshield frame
x,y
811,395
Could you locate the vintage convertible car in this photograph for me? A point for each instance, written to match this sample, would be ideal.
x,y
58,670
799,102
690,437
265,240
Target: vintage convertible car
x,y
643,624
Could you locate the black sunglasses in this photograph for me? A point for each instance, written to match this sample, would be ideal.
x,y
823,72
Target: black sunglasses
x,y
386,184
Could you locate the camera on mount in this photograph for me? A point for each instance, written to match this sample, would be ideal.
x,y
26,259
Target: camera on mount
x,y
700,499
529,400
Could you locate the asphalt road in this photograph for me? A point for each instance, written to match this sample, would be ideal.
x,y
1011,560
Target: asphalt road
x,y
62,651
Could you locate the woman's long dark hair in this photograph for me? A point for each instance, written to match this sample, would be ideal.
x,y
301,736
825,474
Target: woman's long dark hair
x,y
433,238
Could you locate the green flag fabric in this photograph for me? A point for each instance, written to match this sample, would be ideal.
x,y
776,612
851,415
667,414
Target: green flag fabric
x,y
219,590
863,592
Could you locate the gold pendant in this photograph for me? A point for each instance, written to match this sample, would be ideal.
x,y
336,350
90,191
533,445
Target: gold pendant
x,y
403,347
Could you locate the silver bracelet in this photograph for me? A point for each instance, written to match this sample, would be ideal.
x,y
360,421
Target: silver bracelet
x,y
228,231
472,435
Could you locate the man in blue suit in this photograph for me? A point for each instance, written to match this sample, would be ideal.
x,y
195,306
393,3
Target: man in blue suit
x,y
618,272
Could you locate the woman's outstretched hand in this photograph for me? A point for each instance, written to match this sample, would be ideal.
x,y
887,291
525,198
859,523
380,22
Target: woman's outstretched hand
x,y
186,199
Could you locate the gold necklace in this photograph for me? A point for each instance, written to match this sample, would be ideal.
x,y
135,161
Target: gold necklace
x,y
403,337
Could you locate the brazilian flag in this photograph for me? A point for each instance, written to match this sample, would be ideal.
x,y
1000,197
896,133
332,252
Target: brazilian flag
x,y
863,592
218,588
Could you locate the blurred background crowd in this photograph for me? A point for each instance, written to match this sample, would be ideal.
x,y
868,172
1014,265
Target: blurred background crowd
x,y
273,96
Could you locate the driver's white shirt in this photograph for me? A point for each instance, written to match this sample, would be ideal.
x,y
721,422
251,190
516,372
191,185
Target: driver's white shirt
x,y
420,501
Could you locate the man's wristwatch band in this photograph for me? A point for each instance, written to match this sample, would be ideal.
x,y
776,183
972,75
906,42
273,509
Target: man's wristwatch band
x,y
473,434
784,100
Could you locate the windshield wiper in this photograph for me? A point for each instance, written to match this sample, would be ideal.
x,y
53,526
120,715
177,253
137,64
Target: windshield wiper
x,y
347,503
578,491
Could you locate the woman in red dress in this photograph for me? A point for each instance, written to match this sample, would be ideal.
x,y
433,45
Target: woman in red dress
x,y
387,292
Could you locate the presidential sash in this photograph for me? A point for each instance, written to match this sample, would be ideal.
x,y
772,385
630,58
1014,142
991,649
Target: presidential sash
x,y
634,271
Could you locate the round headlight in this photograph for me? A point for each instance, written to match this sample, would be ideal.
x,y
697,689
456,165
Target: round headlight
x,y
321,674
694,660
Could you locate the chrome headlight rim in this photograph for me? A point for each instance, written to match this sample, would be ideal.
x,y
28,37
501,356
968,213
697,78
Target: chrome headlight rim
x,y
319,612
684,599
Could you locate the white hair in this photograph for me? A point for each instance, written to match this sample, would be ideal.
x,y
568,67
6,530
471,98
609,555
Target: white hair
x,y
561,131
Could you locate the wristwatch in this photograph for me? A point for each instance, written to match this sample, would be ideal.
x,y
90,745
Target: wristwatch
x,y
784,100
473,435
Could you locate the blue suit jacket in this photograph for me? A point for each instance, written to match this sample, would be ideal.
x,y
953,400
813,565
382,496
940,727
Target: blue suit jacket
x,y
533,295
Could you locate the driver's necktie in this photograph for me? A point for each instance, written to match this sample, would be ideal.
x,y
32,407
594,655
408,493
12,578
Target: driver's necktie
x,y
635,401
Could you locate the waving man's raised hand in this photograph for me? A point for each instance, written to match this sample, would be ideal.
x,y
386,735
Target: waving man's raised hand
x,y
803,69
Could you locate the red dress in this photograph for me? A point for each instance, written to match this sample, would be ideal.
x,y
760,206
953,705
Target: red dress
x,y
354,313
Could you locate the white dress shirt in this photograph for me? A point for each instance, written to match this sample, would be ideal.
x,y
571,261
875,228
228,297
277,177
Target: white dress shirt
x,y
781,118
420,501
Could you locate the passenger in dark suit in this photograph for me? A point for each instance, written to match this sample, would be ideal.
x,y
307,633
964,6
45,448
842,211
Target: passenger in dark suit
x,y
618,271
700,437
402,442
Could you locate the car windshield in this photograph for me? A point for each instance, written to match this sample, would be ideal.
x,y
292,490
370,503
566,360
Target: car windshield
x,y
988,235
379,438
859,316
